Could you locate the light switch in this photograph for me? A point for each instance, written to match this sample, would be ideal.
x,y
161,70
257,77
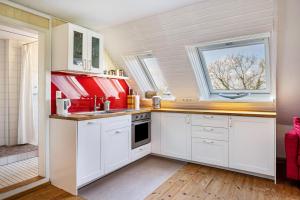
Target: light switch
x,y
58,94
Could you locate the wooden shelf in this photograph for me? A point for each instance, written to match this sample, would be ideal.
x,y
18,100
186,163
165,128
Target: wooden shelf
x,y
92,74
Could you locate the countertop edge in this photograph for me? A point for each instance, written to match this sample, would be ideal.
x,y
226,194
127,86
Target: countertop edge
x,y
263,114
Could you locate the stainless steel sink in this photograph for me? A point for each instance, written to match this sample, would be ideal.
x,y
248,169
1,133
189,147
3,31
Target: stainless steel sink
x,y
91,113
101,112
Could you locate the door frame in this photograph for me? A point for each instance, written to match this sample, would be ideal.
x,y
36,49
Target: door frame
x,y
44,92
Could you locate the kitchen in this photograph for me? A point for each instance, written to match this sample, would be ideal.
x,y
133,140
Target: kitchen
x,y
167,105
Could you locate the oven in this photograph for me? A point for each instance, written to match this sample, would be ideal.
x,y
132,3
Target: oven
x,y
141,129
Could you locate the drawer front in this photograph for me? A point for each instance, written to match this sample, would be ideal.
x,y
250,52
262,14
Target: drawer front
x,y
116,122
210,120
140,152
210,151
210,133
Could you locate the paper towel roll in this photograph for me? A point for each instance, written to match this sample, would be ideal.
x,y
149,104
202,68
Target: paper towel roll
x,y
137,102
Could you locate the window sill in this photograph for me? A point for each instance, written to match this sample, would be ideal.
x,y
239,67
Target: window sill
x,y
264,98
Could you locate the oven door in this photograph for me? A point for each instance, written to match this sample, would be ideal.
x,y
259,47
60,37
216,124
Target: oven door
x,y
141,133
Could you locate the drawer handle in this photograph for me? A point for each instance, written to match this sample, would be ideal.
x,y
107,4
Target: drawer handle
x,y
208,117
118,132
208,130
208,141
91,123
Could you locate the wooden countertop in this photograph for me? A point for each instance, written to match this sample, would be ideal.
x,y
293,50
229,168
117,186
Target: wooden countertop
x,y
81,117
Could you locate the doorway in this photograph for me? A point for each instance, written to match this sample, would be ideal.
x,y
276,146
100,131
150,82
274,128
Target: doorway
x,y
19,108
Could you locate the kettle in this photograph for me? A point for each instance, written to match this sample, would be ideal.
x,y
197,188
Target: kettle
x,y
62,106
156,102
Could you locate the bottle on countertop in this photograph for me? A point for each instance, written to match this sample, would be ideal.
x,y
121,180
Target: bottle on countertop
x,y
107,105
137,102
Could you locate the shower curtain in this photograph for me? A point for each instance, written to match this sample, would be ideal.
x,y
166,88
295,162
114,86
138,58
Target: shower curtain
x,y
27,129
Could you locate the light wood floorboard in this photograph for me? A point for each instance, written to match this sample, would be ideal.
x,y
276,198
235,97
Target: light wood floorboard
x,y
196,182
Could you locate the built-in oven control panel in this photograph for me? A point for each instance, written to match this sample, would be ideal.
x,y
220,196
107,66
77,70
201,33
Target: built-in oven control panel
x,y
141,116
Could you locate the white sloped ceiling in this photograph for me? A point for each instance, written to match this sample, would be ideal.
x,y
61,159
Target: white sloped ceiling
x,y
167,34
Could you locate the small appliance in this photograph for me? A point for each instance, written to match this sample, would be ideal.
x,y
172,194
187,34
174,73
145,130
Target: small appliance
x,y
156,102
62,106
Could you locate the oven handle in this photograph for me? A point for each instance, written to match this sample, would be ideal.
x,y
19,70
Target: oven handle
x,y
141,122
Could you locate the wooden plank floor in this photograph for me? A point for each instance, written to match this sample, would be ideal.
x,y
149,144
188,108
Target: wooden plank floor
x,y
196,182
17,172
45,192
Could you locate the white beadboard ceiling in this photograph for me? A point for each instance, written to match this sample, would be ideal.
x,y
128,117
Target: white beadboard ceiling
x,y
102,13
167,34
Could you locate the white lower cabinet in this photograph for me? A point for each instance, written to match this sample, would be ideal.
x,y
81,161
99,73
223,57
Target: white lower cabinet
x,y
156,132
176,135
252,144
89,165
140,152
116,143
116,148
208,151
237,142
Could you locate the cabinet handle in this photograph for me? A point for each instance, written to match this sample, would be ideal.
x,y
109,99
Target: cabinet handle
x,y
118,132
208,117
188,119
208,141
208,130
230,122
91,123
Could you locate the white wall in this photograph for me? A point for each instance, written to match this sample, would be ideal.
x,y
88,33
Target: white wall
x,y
2,92
288,68
168,33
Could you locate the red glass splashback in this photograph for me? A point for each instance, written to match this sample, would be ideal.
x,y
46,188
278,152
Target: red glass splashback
x,y
81,89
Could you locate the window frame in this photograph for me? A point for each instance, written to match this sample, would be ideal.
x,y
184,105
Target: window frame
x,y
204,83
146,70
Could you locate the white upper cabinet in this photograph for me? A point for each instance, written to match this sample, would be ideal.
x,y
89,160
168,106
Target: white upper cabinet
x,y
252,144
77,49
176,135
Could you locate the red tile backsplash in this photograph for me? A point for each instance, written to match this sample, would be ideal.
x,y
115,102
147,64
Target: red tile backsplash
x,y
81,89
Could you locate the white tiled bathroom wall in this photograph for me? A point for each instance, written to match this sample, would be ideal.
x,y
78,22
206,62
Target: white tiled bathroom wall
x,y
10,65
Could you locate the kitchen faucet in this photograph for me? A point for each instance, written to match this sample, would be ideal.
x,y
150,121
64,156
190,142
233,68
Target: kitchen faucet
x,y
95,103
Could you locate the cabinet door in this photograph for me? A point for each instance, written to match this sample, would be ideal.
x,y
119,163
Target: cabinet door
x,y
95,53
176,135
252,144
210,151
88,152
116,146
78,48
155,133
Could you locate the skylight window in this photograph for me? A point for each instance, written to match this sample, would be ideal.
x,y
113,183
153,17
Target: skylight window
x,y
147,73
233,69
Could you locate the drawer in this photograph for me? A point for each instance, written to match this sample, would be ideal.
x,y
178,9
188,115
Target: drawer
x,y
140,152
112,123
210,133
210,120
210,151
